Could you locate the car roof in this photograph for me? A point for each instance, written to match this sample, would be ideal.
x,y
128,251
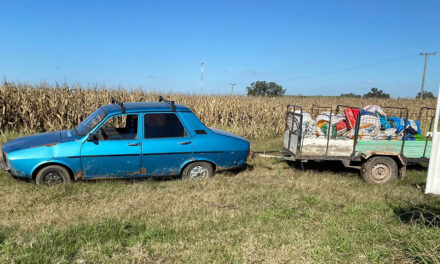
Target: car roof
x,y
144,107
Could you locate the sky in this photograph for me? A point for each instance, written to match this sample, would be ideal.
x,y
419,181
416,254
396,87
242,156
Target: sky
x,y
308,47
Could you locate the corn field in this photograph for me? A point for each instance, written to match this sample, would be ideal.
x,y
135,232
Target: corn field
x,y
45,108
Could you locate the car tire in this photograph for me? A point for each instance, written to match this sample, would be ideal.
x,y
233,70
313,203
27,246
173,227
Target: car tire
x,y
198,170
52,175
379,170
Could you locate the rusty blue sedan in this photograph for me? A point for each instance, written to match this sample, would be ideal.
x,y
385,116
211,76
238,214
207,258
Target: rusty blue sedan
x,y
126,140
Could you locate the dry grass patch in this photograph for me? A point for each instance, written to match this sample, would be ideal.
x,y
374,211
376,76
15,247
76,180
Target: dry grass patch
x,y
268,213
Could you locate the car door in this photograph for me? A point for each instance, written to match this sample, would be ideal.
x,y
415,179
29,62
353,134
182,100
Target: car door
x,y
115,150
165,145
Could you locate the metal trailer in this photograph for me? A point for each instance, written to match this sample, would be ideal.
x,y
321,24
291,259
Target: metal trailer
x,y
379,161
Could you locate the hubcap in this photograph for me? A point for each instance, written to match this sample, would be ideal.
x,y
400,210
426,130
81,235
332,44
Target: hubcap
x,y
52,177
381,172
198,172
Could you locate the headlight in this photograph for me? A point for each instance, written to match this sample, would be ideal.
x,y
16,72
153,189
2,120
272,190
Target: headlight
x,y
6,161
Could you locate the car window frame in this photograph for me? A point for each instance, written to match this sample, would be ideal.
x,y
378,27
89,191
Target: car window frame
x,y
172,113
103,122
91,130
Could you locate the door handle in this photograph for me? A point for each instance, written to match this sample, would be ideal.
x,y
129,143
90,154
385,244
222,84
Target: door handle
x,y
185,143
134,144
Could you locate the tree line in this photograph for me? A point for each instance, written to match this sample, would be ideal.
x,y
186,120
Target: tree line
x,y
270,89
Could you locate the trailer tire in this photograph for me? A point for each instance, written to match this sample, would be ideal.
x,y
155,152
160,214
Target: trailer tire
x,y
379,170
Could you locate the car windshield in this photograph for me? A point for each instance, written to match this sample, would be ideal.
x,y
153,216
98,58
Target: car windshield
x,y
90,122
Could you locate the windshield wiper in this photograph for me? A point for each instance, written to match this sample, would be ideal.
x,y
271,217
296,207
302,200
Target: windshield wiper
x,y
76,131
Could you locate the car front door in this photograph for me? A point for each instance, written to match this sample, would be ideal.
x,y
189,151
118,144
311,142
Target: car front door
x,y
165,144
115,150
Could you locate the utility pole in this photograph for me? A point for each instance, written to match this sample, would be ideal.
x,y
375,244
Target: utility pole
x,y
232,87
426,54
201,79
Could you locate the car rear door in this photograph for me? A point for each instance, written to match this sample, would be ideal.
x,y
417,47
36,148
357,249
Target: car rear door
x,y
166,145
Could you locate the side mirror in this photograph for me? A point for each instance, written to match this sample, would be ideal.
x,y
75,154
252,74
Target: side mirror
x,y
91,138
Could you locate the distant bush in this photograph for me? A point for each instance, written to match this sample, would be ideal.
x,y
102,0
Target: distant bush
x,y
426,95
376,93
263,88
351,95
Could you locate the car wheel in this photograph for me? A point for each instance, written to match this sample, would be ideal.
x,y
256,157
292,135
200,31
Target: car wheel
x,y
379,170
197,170
52,175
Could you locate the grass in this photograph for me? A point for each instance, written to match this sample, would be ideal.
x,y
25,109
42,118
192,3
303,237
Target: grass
x,y
270,212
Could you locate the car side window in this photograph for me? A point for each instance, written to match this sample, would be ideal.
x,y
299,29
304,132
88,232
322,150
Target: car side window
x,y
121,127
163,125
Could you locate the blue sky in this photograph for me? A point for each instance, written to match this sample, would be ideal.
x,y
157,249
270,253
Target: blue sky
x,y
309,47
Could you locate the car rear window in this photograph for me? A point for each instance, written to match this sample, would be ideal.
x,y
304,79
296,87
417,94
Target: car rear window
x,y
163,125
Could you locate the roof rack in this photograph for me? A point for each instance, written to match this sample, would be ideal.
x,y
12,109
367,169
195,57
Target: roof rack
x,y
173,107
121,105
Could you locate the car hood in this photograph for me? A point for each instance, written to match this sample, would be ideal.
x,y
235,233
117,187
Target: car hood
x,y
224,133
44,139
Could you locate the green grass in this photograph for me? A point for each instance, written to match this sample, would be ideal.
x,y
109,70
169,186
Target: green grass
x,y
270,212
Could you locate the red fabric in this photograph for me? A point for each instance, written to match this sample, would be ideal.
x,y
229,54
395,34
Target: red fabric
x,y
351,115
341,125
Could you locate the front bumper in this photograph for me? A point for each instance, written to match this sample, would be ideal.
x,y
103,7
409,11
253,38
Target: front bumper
x,y
4,164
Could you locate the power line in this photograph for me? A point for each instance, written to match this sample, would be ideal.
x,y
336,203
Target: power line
x,y
359,67
426,54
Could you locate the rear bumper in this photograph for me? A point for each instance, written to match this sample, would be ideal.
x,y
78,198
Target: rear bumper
x,y
234,167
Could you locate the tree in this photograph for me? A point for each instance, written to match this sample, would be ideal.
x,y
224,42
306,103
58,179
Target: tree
x,y
426,95
376,93
262,88
350,95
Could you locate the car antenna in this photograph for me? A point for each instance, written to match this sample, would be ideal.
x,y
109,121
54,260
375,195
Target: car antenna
x,y
173,107
121,105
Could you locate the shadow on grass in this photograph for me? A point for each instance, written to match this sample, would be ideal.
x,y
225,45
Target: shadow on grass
x,y
235,171
323,166
423,214
417,166
231,172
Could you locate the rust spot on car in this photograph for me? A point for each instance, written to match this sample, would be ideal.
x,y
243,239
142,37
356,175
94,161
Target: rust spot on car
x,y
142,171
47,145
79,175
221,168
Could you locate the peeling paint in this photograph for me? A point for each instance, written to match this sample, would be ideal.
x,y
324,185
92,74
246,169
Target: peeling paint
x,y
385,153
79,175
142,171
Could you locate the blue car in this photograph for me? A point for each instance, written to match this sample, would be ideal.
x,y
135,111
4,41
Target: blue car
x,y
126,140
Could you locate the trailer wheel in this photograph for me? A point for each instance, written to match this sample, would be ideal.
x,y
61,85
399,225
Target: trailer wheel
x,y
379,170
